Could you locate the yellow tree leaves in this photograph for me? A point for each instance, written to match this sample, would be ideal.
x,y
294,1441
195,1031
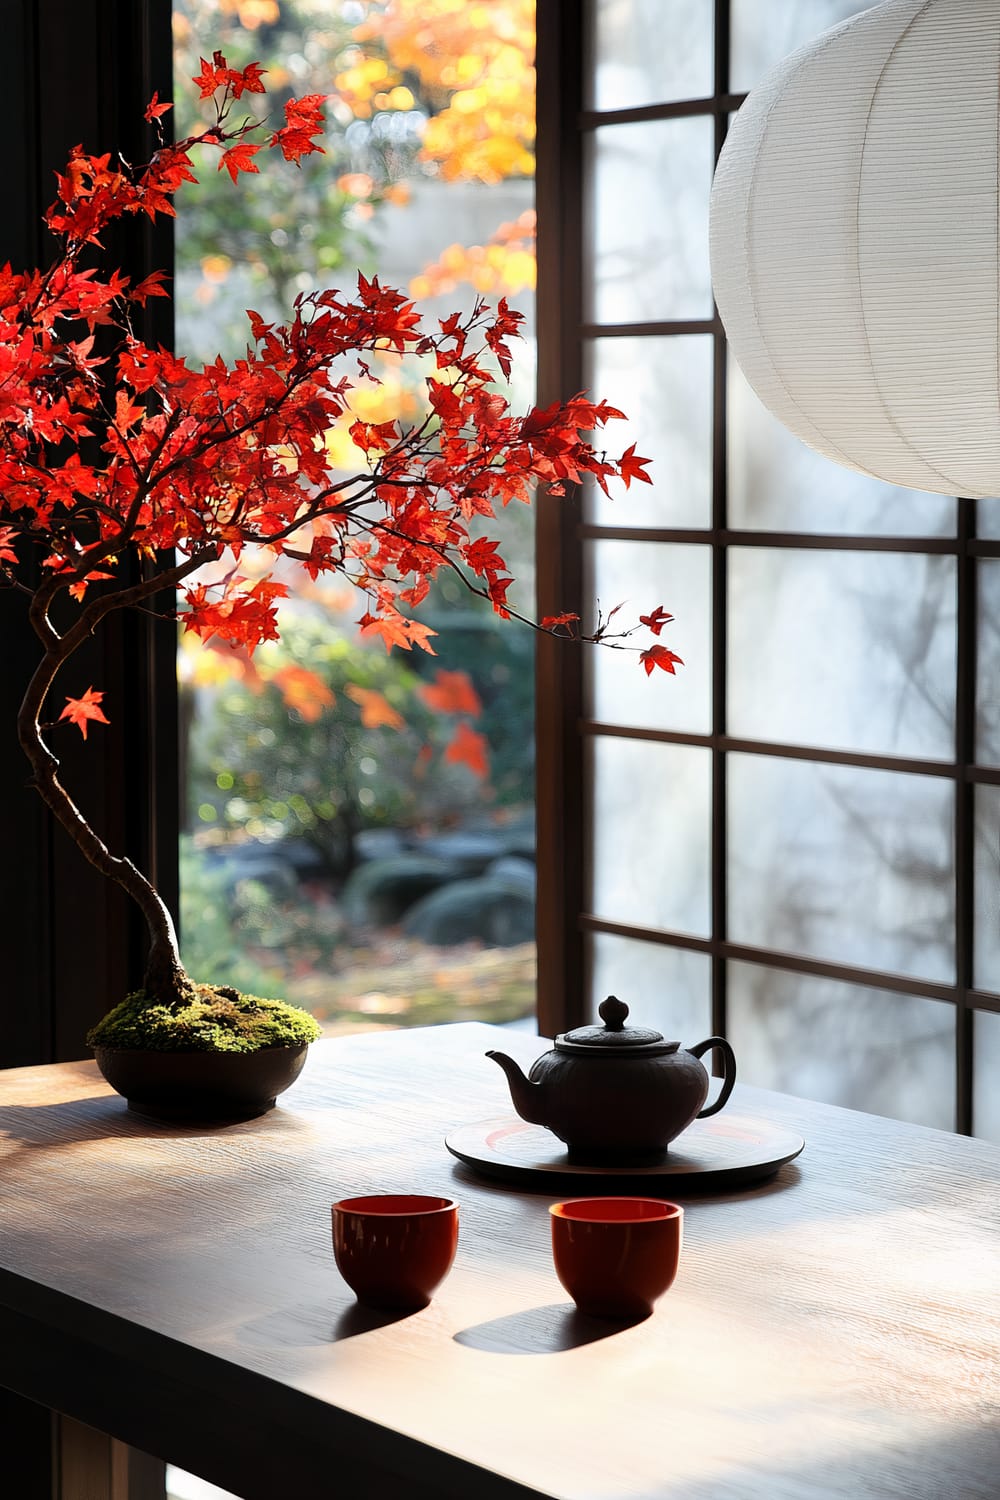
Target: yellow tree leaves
x,y
502,267
475,60
251,13
474,63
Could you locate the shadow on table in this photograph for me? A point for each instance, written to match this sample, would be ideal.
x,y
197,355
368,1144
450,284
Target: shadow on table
x,y
671,1188
540,1330
41,1127
358,1319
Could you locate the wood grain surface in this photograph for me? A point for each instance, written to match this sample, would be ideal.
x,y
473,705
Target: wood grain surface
x,y
834,1333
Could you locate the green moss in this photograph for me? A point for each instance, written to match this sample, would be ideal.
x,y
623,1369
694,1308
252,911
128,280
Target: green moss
x,y
218,1019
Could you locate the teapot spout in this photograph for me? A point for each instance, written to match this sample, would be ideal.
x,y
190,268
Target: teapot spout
x,y
527,1096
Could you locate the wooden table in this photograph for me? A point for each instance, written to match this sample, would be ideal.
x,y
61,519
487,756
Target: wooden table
x,y
834,1333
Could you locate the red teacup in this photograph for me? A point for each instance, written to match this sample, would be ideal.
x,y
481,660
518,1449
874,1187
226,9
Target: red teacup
x,y
395,1249
616,1256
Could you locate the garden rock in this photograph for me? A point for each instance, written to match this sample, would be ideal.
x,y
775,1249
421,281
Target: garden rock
x,y
265,865
514,871
378,892
468,852
518,837
380,843
486,909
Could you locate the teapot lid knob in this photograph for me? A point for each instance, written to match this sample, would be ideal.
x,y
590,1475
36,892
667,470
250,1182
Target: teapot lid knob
x,y
614,1037
613,1012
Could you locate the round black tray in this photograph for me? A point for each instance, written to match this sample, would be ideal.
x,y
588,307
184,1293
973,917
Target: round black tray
x,y
725,1152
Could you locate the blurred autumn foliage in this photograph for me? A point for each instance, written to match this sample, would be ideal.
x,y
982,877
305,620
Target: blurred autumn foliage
x,y
421,93
474,64
315,738
504,265
417,89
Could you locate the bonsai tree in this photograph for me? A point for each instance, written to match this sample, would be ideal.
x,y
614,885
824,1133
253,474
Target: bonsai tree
x,y
126,472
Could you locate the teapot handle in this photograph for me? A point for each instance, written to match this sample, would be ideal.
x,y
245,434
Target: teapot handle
x,y
730,1074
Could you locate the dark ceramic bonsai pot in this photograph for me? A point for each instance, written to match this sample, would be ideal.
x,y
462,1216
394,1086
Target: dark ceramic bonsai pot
x,y
212,1087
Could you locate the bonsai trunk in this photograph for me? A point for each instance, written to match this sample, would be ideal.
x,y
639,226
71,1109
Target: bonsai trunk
x,y
165,980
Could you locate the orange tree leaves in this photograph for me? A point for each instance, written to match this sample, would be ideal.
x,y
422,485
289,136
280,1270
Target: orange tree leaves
x,y
469,748
451,693
303,690
376,710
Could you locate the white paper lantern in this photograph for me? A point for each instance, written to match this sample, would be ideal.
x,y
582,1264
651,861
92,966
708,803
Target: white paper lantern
x,y
854,242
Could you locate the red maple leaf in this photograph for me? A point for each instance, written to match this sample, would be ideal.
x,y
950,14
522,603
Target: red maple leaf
x,y
396,630
150,286
303,120
552,622
239,158
155,110
79,589
659,656
211,76
243,618
630,467
656,620
80,711
249,80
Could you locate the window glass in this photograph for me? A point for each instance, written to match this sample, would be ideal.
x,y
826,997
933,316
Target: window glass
x,y
651,819
665,386
865,1049
777,483
986,1099
639,576
647,234
359,826
765,31
626,71
842,863
988,665
986,948
988,518
666,988
848,650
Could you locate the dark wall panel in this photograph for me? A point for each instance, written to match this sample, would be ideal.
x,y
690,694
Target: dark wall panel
x,y
81,71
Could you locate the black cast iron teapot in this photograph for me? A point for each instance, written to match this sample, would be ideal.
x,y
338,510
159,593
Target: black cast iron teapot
x,y
616,1093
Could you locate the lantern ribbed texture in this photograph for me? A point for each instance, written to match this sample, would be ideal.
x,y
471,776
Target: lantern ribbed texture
x,y
854,242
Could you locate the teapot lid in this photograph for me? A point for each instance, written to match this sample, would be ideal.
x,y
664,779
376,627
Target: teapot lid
x,y
614,1035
